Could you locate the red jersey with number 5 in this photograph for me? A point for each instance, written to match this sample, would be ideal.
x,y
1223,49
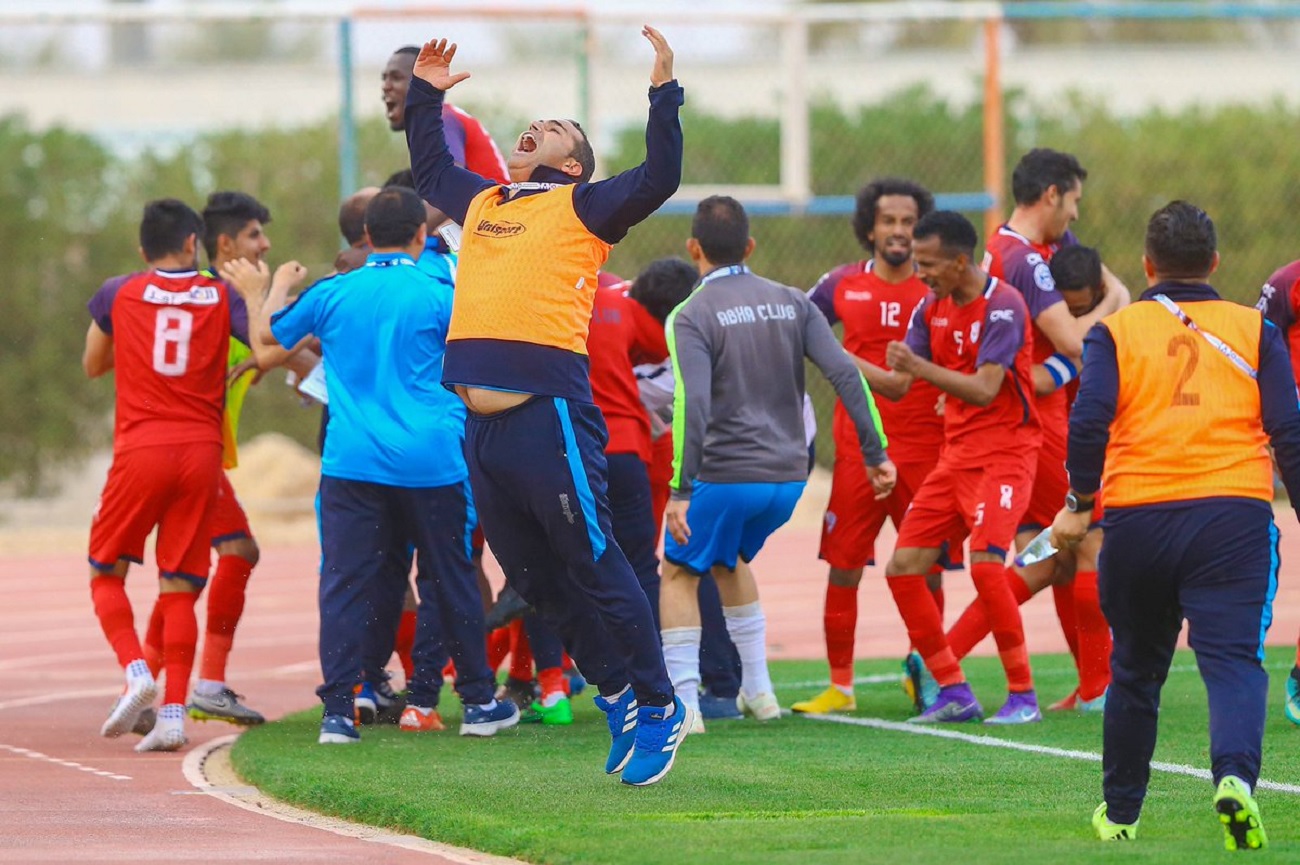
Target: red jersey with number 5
x,y
171,339
994,328
875,313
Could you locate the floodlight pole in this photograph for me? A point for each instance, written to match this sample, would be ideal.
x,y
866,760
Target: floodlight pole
x,y
347,113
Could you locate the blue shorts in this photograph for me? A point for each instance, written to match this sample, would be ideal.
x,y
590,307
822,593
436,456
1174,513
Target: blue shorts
x,y
730,520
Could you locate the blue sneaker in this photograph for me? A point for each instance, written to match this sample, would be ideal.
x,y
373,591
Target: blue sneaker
x,y
577,683
1020,708
919,682
1292,709
621,714
364,704
489,718
657,741
1097,705
719,708
338,730
955,704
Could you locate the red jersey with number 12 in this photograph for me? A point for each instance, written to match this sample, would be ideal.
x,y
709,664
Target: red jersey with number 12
x,y
876,312
993,328
171,338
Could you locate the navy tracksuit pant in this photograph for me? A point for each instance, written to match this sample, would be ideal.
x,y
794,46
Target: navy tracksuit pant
x,y
1213,562
366,529
539,476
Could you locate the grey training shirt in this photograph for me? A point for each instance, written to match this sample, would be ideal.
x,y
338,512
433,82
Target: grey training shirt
x,y
738,345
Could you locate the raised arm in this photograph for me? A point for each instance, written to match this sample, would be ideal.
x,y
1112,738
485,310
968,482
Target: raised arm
x,y
251,283
610,207
438,179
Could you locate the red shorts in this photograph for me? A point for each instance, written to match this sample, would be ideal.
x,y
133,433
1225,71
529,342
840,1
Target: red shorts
x,y
228,521
661,475
173,487
853,515
985,501
1051,483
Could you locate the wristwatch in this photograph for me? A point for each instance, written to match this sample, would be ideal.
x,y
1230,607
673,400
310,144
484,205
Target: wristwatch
x,y
1074,503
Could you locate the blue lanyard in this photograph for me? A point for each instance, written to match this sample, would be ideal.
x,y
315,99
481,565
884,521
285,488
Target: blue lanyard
x,y
729,270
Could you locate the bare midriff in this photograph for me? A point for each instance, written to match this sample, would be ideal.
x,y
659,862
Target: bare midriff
x,y
484,401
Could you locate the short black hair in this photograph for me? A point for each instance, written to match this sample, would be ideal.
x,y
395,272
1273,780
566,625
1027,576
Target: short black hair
x,y
165,225
956,233
864,212
394,217
1042,168
583,153
663,285
1076,268
721,227
1181,241
405,177
226,214
413,50
352,218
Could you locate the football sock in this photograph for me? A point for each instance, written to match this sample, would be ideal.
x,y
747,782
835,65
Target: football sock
x,y
226,592
1094,637
208,687
180,637
498,647
521,653
840,619
924,627
115,618
682,658
747,627
153,641
405,643
553,683
1004,620
937,594
973,624
1063,597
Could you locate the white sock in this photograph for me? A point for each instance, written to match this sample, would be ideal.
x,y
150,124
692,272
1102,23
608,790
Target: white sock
x,y
138,670
682,657
614,698
748,629
554,699
173,713
208,688
848,692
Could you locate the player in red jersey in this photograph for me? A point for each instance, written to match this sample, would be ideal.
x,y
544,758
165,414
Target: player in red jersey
x,y
1279,300
874,300
970,338
469,142
166,334
1047,186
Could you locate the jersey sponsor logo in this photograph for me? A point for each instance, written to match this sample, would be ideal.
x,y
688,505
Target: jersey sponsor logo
x,y
938,322
857,295
1043,275
565,509
996,315
488,228
198,295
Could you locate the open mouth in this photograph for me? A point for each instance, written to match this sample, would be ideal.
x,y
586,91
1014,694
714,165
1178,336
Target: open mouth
x,y
390,108
527,143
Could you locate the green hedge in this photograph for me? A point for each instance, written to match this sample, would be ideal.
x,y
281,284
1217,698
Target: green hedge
x,y
69,208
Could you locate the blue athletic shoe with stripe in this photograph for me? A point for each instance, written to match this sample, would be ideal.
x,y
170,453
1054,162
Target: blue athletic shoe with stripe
x,y
338,730
657,741
621,713
1293,696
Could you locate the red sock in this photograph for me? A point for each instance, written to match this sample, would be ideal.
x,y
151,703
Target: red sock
x,y
1003,613
521,654
840,619
116,618
180,638
973,624
1094,637
498,647
153,641
552,681
406,643
937,594
924,627
226,591
1063,597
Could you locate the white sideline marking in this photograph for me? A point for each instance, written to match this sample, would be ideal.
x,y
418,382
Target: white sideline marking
x,y
41,699
254,800
994,742
46,758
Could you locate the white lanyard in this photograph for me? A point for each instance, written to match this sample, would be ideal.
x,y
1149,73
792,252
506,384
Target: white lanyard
x,y
729,270
1237,360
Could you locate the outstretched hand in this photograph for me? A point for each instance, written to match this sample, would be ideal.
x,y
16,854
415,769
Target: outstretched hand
x,y
662,72
434,64
250,280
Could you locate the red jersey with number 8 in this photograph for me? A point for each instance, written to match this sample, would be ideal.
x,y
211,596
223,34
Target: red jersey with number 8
x,y
171,339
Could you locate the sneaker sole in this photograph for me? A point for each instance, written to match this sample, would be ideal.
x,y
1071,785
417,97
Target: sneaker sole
x,y
123,717
672,758
337,739
1240,827
198,714
1011,722
975,717
489,728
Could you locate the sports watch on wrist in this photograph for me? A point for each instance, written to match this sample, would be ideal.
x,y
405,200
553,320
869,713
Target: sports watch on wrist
x,y
1074,503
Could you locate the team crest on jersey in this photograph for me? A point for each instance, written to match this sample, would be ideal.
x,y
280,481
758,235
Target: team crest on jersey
x,y
488,228
198,295
1043,275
